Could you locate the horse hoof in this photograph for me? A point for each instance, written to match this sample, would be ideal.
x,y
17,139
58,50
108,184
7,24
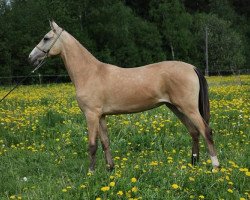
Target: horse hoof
x,y
91,172
110,168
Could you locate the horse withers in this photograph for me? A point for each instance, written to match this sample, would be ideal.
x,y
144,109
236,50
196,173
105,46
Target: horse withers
x,y
104,89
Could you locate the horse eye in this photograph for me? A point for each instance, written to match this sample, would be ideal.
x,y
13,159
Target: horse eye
x,y
46,39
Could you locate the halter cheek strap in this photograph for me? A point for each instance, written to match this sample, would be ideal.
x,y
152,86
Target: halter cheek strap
x,y
46,52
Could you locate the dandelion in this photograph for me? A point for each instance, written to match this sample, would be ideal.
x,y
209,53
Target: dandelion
x,y
175,186
183,167
243,169
153,163
98,198
133,180
64,190
112,184
201,197
215,170
242,198
134,189
82,186
90,173
105,188
247,173
120,193
230,190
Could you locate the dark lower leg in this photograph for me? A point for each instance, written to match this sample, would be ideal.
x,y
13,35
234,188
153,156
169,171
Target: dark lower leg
x,y
92,155
105,144
108,157
195,151
195,148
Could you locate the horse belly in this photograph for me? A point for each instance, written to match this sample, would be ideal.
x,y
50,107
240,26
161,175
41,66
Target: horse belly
x,y
123,104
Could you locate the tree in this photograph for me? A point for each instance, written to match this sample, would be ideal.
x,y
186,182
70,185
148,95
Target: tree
x,y
125,39
174,24
224,44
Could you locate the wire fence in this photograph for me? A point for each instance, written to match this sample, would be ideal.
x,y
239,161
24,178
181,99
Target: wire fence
x,y
64,78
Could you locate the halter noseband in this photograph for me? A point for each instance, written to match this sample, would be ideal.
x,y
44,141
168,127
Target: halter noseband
x,y
46,52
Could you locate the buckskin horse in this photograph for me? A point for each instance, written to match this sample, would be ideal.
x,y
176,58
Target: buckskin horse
x,y
104,89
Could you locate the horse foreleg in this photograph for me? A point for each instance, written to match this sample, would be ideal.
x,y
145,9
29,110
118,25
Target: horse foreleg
x,y
103,134
93,130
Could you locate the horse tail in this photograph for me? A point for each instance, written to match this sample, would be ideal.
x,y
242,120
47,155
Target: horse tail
x,y
204,106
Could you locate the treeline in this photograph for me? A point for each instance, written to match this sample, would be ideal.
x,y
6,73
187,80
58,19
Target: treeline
x,y
129,33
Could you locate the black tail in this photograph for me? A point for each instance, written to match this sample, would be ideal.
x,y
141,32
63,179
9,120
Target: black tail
x,y
204,106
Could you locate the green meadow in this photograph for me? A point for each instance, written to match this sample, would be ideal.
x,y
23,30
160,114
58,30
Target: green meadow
x,y
44,142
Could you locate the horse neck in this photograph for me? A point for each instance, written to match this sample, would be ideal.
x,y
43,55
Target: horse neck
x,y
79,62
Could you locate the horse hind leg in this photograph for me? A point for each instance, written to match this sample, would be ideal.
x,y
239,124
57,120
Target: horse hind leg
x,y
192,130
195,118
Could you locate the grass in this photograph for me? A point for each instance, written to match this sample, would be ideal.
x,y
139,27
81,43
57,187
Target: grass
x,y
43,149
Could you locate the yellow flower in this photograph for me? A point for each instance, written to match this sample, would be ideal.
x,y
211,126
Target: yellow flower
x,y
230,190
98,198
243,169
133,180
242,198
247,173
175,186
12,197
120,193
134,189
153,163
201,197
82,186
106,188
112,184
191,179
64,190
90,173
183,167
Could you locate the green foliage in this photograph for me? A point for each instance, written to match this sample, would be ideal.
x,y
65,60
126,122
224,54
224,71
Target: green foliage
x,y
174,24
224,44
128,33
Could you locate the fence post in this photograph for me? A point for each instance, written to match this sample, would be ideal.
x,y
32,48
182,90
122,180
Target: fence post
x,y
40,78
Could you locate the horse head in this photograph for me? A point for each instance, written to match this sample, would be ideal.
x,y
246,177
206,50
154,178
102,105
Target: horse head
x,y
50,45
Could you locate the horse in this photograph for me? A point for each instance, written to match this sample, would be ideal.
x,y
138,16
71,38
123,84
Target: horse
x,y
103,89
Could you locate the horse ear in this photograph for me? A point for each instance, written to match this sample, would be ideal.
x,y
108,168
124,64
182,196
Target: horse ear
x,y
53,25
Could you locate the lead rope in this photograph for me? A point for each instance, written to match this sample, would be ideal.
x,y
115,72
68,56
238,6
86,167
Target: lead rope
x,y
38,66
22,80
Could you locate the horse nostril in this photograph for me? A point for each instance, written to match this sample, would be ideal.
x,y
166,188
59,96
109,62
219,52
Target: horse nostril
x,y
30,59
